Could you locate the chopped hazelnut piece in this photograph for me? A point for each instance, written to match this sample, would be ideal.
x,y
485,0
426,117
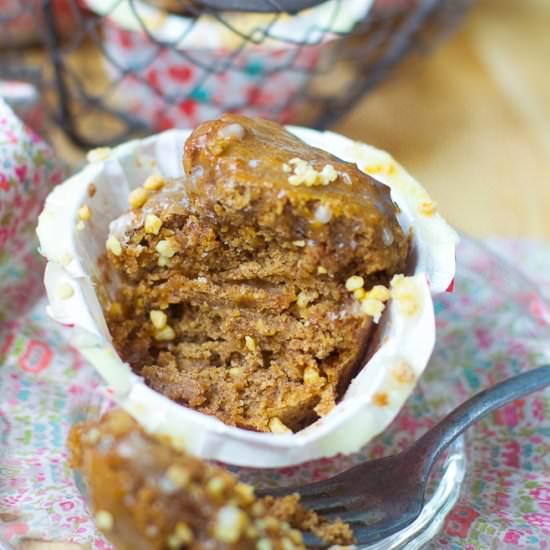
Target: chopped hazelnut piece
x,y
104,520
64,291
305,174
299,244
138,197
328,174
245,493
322,270
232,132
215,486
230,523
312,376
264,544
113,244
158,318
166,334
276,426
115,309
268,523
250,343
183,532
91,437
427,208
164,248
323,214
154,182
372,307
305,297
354,282
387,236
257,509
173,542
179,476
152,224
359,293
379,292
99,154
84,213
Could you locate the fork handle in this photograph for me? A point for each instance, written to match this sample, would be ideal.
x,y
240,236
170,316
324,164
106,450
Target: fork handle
x,y
430,446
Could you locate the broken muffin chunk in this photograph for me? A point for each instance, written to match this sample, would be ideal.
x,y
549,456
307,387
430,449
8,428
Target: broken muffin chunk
x,y
147,495
247,289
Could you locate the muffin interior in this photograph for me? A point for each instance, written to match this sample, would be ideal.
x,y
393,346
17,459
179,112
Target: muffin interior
x,y
243,290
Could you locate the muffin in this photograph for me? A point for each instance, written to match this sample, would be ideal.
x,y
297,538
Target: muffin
x,y
247,289
77,223
147,495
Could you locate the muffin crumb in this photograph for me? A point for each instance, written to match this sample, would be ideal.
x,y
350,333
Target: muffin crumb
x,y
65,291
427,208
158,318
152,224
276,426
104,520
165,334
137,197
98,155
165,248
113,244
154,182
84,213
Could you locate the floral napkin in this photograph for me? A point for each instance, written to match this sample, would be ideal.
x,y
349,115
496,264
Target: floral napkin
x,y
494,325
28,171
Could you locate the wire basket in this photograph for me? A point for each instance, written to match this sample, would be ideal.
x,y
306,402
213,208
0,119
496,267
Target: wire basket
x,y
109,70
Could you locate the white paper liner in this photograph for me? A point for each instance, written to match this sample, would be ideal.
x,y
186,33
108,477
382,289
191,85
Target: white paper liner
x,y
309,26
375,395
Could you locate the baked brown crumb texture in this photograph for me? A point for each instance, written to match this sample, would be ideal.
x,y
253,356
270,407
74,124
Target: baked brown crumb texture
x,y
147,495
232,280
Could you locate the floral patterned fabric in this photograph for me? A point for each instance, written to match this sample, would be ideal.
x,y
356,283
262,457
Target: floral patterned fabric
x,y
494,325
28,171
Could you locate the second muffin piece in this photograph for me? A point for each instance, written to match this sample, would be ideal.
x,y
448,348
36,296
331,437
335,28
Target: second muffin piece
x,y
245,285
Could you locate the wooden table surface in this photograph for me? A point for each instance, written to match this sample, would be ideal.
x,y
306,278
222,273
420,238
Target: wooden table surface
x,y
472,122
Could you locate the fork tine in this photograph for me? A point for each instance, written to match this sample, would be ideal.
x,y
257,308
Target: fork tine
x,y
325,506
357,515
368,534
311,541
312,498
312,491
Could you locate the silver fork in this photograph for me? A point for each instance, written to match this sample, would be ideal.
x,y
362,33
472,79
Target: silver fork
x,y
380,497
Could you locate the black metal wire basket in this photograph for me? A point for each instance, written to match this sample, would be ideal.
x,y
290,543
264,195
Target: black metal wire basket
x,y
109,70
